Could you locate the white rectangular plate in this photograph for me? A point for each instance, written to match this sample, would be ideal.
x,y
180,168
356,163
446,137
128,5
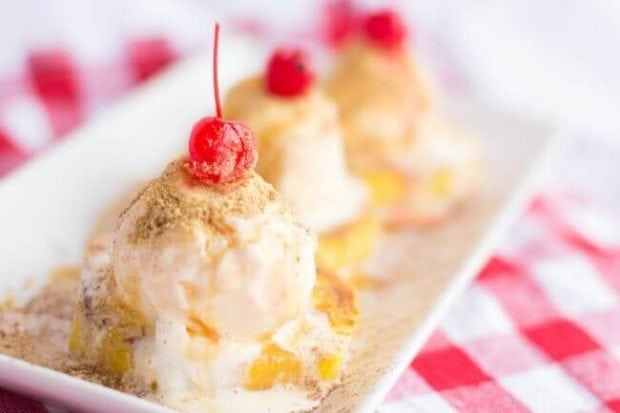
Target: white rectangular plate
x,y
50,206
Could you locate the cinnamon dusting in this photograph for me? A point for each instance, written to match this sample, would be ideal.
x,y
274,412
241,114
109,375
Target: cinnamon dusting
x,y
38,332
178,201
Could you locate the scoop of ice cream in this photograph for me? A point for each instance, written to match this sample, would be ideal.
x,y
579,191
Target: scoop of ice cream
x,y
208,299
418,167
381,96
185,250
301,152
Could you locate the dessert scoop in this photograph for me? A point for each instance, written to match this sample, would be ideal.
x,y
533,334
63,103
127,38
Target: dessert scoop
x,y
419,166
207,296
299,140
302,155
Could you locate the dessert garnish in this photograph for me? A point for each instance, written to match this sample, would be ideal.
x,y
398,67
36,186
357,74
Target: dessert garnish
x,y
289,72
220,151
385,29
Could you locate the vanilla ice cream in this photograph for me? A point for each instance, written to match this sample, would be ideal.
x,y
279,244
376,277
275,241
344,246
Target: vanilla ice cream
x,y
381,97
301,152
209,297
419,167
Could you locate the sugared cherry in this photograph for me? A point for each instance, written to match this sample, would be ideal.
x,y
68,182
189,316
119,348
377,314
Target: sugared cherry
x,y
220,151
289,72
386,29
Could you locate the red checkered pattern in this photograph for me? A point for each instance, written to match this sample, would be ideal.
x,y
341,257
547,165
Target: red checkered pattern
x,y
56,94
539,330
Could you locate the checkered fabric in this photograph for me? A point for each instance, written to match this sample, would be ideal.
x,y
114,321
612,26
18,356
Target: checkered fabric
x,y
55,94
539,330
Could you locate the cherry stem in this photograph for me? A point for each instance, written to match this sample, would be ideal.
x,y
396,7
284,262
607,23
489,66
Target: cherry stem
x,y
216,86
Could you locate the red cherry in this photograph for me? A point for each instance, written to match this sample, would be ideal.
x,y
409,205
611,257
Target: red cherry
x,y
386,29
221,151
340,20
289,72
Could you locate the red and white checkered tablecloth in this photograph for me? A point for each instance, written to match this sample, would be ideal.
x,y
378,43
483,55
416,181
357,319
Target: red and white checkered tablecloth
x,y
539,329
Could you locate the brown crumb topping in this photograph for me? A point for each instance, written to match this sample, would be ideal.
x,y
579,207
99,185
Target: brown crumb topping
x,y
176,200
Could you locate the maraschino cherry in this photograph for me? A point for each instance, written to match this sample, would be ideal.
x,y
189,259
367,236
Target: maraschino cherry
x,y
386,29
289,72
220,151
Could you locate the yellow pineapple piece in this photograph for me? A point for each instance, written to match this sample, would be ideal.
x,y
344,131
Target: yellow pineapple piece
x,y
116,354
102,329
348,245
329,367
386,186
337,299
274,366
77,344
108,346
441,182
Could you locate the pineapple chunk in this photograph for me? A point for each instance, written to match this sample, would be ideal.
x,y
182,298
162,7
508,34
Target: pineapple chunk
x,y
348,245
386,186
336,298
440,183
102,329
274,366
77,343
118,356
108,347
329,367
